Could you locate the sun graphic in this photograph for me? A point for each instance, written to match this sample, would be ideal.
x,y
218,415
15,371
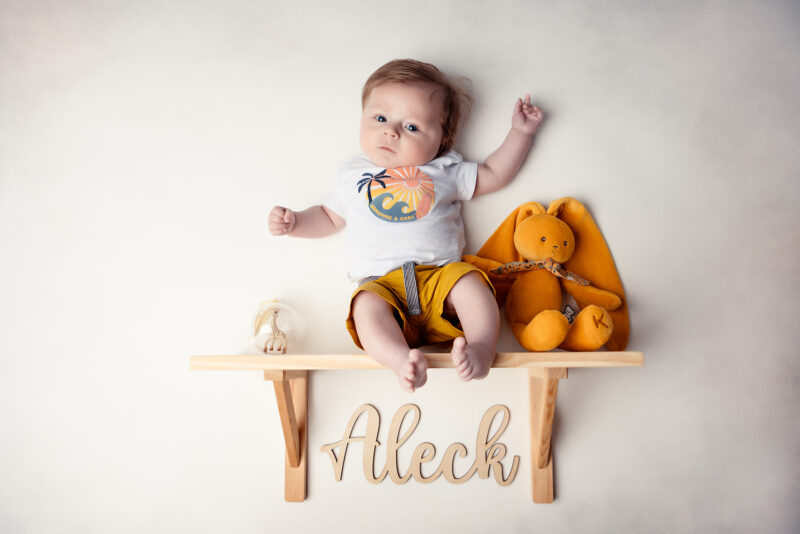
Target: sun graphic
x,y
411,186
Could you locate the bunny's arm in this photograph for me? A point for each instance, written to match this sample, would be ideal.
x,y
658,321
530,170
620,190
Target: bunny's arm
x,y
592,295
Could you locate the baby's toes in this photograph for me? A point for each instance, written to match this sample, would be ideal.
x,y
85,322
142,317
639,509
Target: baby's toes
x,y
418,367
409,372
459,354
406,384
465,372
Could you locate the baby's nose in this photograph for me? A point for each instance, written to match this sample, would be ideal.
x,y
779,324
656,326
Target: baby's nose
x,y
390,131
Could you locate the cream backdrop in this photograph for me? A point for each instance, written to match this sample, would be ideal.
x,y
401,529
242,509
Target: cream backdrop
x,y
142,145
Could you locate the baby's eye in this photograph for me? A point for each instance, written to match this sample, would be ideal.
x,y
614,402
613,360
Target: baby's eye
x,y
380,118
412,128
544,239
565,243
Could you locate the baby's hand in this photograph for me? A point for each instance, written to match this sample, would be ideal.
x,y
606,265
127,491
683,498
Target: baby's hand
x,y
281,220
526,118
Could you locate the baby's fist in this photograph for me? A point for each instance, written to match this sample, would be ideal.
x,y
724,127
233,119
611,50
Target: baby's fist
x,y
526,118
281,220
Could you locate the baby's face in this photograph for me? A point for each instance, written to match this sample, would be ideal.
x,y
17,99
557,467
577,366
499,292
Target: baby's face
x,y
401,124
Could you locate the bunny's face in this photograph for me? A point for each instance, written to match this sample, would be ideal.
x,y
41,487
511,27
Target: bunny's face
x,y
542,237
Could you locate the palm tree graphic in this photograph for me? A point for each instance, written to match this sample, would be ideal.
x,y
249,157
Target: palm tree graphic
x,y
367,180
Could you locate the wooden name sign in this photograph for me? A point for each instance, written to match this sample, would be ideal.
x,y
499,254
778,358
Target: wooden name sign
x,y
489,454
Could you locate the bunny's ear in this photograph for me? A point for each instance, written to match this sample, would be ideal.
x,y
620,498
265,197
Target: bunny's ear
x,y
499,248
592,260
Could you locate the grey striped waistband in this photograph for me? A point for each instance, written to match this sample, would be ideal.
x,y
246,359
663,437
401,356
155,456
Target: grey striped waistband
x,y
410,286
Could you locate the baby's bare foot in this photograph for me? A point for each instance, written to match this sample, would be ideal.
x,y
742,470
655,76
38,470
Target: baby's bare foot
x,y
471,361
413,373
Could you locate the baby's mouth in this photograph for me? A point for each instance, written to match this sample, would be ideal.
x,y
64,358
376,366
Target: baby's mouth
x,y
386,148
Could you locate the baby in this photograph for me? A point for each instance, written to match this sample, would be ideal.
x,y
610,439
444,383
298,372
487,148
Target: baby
x,y
401,202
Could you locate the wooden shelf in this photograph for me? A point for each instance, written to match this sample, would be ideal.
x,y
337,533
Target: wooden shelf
x,y
289,374
436,360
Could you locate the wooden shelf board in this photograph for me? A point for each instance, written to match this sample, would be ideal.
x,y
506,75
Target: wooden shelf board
x,y
436,360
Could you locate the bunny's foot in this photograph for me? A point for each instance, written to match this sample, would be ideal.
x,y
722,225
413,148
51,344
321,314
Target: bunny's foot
x,y
590,331
545,332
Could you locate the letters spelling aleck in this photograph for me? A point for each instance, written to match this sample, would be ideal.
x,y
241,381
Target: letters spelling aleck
x,y
488,454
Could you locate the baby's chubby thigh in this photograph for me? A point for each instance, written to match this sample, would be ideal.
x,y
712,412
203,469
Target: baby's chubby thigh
x,y
471,288
456,291
379,303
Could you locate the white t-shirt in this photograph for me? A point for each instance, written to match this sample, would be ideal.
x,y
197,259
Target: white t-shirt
x,y
405,214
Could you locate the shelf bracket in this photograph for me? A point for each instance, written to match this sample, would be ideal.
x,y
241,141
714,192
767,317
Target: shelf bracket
x,y
291,394
543,387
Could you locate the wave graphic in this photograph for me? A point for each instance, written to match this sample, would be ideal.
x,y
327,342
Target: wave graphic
x,y
396,213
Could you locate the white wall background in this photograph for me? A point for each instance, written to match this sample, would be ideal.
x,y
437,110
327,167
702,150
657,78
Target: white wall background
x,y
143,143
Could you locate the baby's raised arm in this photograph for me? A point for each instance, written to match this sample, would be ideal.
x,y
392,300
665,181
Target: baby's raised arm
x,y
502,165
316,221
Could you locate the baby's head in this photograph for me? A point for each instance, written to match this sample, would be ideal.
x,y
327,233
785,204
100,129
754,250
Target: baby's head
x,y
411,112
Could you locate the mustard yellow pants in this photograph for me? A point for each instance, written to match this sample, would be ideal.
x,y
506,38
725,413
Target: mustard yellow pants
x,y
434,283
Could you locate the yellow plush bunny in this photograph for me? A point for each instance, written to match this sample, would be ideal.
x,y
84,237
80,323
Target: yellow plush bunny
x,y
537,252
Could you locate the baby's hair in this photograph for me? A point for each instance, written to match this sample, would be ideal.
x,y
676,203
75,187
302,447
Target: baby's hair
x,y
457,100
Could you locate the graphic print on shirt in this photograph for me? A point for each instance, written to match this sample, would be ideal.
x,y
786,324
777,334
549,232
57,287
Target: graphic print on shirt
x,y
403,194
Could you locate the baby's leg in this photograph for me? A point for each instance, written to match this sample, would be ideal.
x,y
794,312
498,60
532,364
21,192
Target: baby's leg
x,y
477,310
381,337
